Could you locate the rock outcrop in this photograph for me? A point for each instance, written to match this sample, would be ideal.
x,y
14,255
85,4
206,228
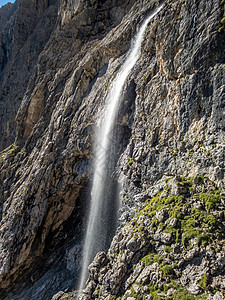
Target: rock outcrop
x,y
58,60
173,248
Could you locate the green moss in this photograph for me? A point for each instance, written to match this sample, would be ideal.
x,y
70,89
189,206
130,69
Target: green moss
x,y
208,153
154,290
130,162
8,150
174,153
154,224
99,292
167,188
204,281
167,180
176,212
147,74
167,271
198,223
195,142
167,249
188,182
222,21
79,82
210,200
182,294
202,239
210,220
151,258
140,228
200,144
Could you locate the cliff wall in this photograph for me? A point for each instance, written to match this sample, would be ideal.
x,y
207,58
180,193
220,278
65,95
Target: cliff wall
x,y
57,67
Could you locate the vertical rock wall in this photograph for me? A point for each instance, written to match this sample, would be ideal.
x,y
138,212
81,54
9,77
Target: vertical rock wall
x,y
59,73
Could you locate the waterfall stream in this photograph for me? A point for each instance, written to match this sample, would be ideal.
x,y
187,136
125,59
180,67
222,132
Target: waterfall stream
x,y
104,194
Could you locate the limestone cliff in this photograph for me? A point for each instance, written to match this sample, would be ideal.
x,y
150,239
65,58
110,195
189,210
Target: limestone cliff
x,y
57,62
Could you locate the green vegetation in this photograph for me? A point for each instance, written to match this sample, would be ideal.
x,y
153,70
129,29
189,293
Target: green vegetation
x,y
151,258
191,220
167,249
108,82
79,82
99,292
210,199
222,21
204,281
196,223
158,293
167,271
107,85
130,162
154,224
8,150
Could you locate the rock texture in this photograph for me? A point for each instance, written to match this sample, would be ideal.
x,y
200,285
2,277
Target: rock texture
x,y
169,251
58,60
25,28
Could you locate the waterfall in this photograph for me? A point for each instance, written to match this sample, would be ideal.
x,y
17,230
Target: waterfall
x,y
103,204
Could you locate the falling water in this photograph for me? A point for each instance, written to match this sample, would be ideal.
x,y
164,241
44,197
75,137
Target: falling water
x,y
102,209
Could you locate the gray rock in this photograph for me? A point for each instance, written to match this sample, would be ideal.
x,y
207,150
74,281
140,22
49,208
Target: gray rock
x,y
162,215
148,297
173,222
136,288
218,296
163,237
57,61
194,289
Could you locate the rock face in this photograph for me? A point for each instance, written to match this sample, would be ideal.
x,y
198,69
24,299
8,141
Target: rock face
x,y
168,257
25,28
57,61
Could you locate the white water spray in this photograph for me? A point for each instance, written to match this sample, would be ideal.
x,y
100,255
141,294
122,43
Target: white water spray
x,y
96,234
